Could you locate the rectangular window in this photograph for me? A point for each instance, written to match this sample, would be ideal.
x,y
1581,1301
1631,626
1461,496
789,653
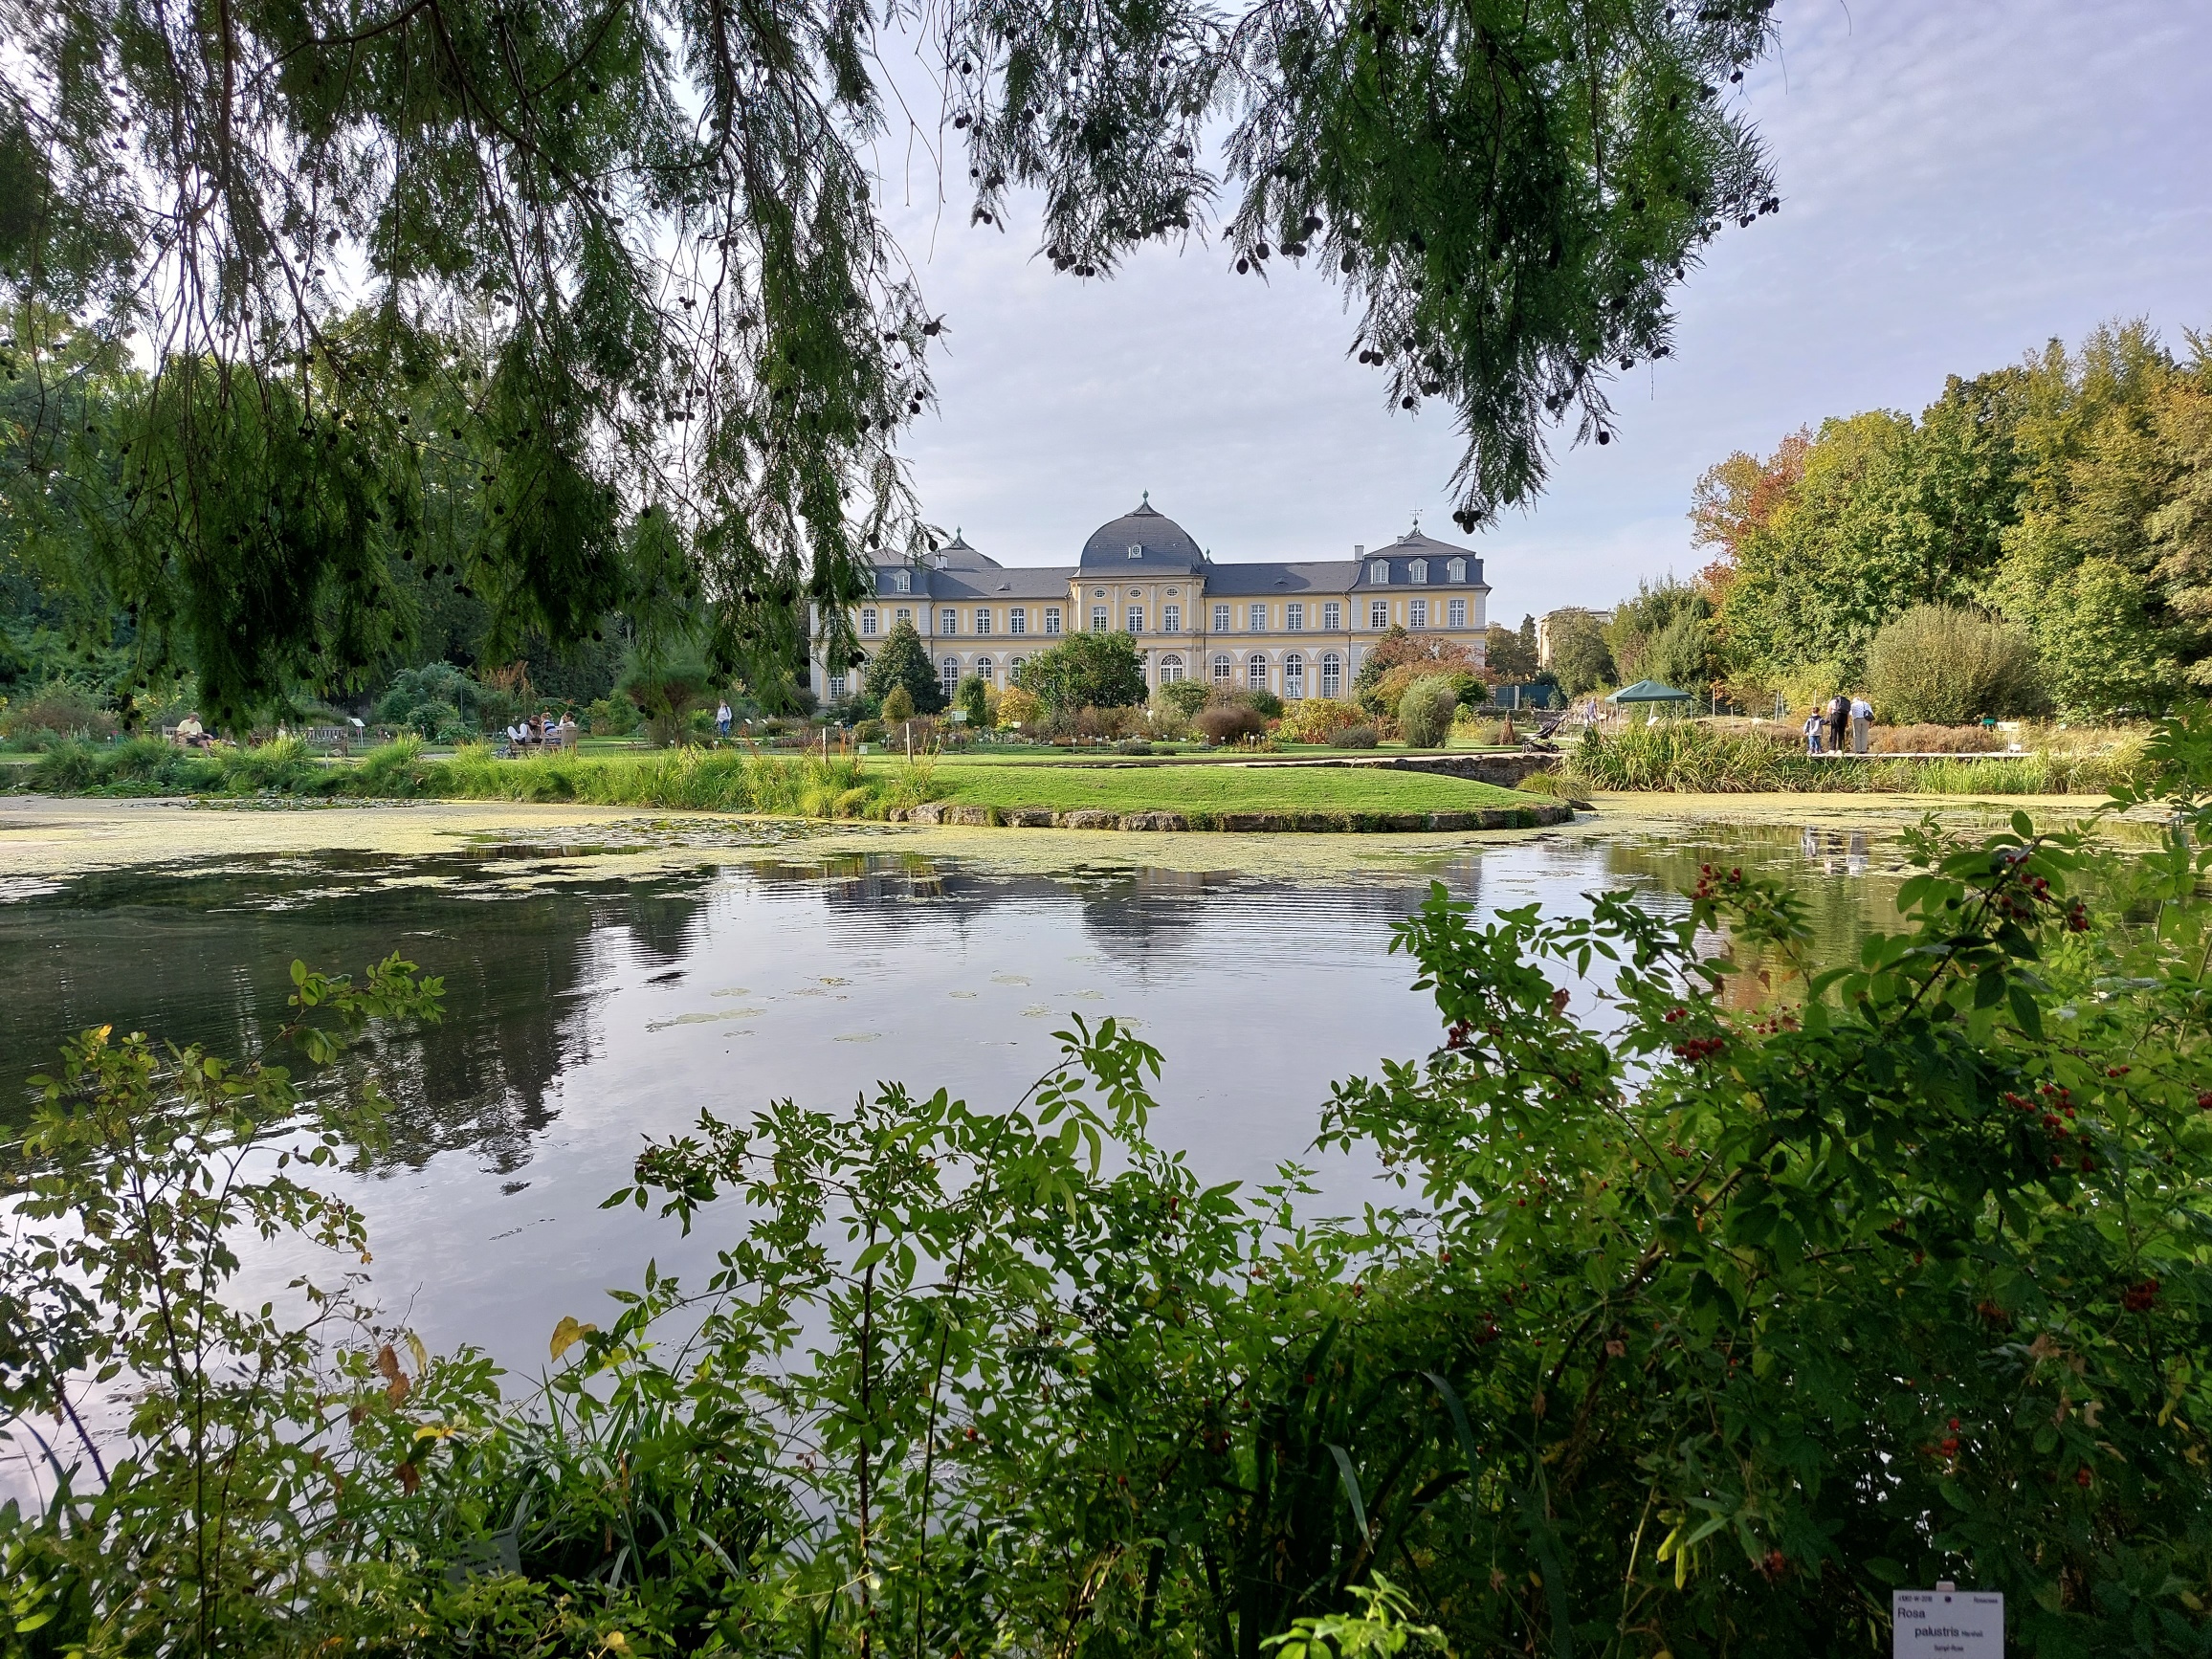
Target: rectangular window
x,y
1294,618
1018,620
1171,619
1051,619
1417,613
948,621
1259,623
868,620
1457,610
1097,619
1378,613
1137,619
903,614
1332,616
948,674
837,688
983,622
1220,619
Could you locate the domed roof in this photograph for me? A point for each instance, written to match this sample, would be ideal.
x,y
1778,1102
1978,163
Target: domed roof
x,y
1143,541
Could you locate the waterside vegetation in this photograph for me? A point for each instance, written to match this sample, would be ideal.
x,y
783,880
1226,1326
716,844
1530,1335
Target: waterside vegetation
x,y
1696,757
1705,1318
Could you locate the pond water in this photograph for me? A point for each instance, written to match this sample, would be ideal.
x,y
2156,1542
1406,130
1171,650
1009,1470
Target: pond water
x,y
607,978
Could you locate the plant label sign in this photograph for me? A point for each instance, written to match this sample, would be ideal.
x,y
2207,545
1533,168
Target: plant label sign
x,y
1947,1623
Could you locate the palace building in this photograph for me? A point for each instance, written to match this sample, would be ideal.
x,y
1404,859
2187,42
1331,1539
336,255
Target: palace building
x,y
1297,629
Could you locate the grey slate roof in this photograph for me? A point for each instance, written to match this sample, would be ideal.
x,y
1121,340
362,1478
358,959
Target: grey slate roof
x,y
1164,546
1268,579
1412,546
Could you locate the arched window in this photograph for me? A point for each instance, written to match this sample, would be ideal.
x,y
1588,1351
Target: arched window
x,y
902,582
948,674
1456,570
985,670
1294,676
1256,672
1418,570
1170,670
1224,671
1014,670
1378,572
1331,674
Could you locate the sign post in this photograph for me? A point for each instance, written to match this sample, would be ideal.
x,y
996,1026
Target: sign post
x,y
1947,1622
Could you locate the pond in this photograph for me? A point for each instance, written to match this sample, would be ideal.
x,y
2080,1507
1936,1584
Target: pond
x,y
609,976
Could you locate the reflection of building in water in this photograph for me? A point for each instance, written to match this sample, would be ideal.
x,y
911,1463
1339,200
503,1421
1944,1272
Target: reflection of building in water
x,y
1838,852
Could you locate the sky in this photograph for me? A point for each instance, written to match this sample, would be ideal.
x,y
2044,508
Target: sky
x,y
1962,181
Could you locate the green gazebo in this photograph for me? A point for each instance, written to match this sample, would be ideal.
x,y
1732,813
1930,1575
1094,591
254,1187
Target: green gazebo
x,y
1650,693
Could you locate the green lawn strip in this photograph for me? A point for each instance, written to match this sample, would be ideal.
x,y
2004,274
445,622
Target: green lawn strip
x,y
1207,789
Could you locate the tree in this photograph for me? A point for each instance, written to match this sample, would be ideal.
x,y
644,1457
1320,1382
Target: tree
x,y
1509,654
1580,659
1398,648
901,662
640,256
1101,670
1639,621
970,698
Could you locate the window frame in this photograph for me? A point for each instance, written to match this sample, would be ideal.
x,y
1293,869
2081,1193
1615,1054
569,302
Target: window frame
x,y
1455,611
1171,619
1331,674
869,616
1051,620
947,622
1256,671
1294,676
1224,669
1332,615
1378,613
1017,619
1417,613
1220,619
1099,619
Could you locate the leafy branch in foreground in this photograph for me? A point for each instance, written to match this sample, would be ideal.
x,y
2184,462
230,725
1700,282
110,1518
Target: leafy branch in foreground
x,y
1708,1316
627,267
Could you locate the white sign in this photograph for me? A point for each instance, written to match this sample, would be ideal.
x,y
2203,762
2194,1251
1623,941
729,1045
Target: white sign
x,y
1947,1623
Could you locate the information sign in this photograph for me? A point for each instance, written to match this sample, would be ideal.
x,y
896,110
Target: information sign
x,y
1947,1624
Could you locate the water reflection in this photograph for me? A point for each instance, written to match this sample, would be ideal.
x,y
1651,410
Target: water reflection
x,y
588,1007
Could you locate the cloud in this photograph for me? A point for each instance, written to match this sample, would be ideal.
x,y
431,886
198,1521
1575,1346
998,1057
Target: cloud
x,y
1961,183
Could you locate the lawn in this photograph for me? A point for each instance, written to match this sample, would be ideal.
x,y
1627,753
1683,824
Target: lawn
x,y
1214,789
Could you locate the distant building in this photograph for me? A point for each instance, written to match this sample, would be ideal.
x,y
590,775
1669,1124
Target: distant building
x,y
1297,630
1552,623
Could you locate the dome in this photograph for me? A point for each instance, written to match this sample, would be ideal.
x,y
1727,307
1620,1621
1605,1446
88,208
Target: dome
x,y
1161,545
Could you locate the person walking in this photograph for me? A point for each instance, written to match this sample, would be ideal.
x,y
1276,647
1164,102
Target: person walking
x,y
1862,718
1813,732
723,719
1839,722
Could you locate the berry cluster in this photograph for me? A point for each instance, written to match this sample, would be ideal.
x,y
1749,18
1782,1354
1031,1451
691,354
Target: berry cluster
x,y
2054,1114
1696,1050
1711,882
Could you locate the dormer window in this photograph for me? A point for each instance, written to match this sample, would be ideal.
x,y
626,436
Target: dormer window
x,y
1137,552
1378,572
902,582
1417,572
1456,570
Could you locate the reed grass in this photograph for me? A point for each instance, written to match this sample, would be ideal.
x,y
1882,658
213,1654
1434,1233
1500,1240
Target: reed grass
x,y
1686,757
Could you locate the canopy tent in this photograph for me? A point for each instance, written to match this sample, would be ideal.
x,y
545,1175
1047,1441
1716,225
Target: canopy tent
x,y
1648,690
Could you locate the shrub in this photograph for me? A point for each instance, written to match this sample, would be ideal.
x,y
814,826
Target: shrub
x,y
901,663
897,703
427,697
1184,696
1945,665
1269,705
58,709
1359,736
1425,710
1398,648
612,717
1228,722
1317,720
1133,746
972,700
1018,707
1926,740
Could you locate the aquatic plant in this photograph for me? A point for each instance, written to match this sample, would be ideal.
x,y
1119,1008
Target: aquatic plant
x,y
1692,757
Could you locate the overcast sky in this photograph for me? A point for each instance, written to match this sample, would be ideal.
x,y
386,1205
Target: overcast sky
x,y
1961,179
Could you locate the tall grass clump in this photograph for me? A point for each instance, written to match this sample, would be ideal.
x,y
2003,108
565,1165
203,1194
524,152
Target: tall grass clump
x,y
1686,757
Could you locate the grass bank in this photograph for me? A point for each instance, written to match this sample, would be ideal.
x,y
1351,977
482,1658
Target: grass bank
x,y
684,779
726,780
1686,756
1203,791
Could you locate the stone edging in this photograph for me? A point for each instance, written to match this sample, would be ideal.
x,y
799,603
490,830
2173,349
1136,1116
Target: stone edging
x,y
945,812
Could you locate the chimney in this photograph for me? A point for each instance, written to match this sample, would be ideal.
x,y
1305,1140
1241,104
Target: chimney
x,y
1358,550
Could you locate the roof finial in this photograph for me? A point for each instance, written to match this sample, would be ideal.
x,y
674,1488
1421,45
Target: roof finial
x,y
1147,501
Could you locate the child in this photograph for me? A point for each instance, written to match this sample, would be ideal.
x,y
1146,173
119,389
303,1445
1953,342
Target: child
x,y
1813,732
